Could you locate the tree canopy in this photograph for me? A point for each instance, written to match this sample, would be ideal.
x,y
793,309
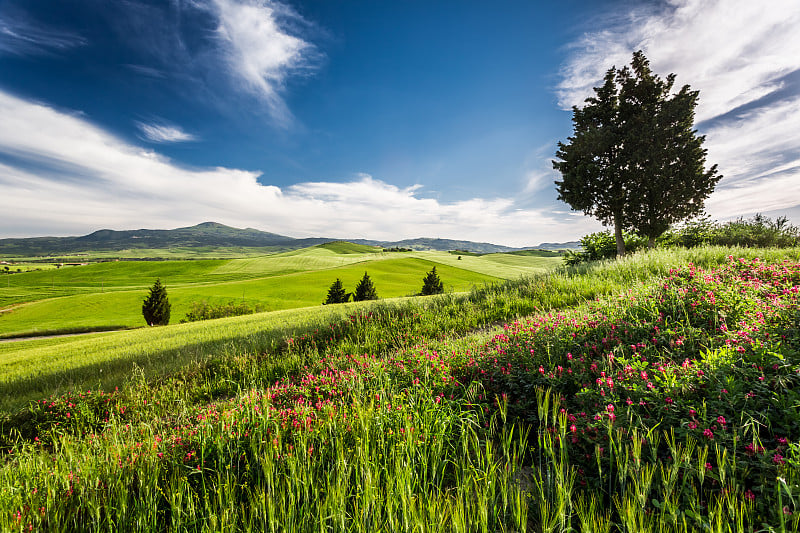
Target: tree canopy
x,y
634,160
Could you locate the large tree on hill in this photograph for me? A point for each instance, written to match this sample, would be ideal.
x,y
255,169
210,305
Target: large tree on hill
x,y
365,290
156,307
634,160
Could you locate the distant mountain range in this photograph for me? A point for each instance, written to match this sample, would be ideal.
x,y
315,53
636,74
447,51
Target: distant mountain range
x,y
214,235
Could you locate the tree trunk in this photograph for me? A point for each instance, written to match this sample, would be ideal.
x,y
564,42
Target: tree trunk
x,y
651,242
618,235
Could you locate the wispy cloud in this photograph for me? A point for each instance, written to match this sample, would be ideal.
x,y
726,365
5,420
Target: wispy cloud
x,y
21,36
162,132
739,54
85,178
261,49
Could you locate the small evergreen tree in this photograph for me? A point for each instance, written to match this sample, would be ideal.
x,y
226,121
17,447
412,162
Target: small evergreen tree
x,y
156,307
431,284
365,290
336,293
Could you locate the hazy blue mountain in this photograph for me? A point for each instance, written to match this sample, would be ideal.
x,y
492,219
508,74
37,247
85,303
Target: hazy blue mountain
x,y
214,235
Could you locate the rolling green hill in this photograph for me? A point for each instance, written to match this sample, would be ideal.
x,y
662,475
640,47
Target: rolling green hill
x,y
108,295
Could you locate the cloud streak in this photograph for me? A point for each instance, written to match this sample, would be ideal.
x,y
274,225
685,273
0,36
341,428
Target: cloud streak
x,y
260,51
162,132
81,178
21,36
738,54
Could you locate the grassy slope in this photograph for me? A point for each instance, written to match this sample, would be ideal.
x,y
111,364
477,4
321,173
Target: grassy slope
x,y
35,367
392,278
39,367
79,298
221,448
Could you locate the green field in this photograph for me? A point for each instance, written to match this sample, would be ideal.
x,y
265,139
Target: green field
x,y
600,398
109,294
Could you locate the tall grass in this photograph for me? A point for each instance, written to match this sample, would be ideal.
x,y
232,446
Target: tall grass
x,y
359,420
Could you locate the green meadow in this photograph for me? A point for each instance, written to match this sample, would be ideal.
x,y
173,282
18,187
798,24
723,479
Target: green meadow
x,y
654,393
108,295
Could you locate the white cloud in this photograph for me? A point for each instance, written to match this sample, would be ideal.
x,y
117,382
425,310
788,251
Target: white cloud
x,y
162,132
71,175
259,49
736,52
20,36
733,51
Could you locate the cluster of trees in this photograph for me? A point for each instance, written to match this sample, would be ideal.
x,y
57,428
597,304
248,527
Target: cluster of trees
x,y
365,289
634,160
759,231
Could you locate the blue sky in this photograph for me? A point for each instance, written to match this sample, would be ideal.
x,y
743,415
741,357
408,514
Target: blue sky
x,y
363,119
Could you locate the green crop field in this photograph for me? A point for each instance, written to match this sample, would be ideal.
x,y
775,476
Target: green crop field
x,y
108,295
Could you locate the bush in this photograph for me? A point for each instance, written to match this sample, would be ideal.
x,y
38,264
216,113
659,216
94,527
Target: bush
x,y
603,245
156,307
205,311
693,233
756,232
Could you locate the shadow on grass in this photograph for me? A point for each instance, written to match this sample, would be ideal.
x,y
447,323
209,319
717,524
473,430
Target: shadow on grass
x,y
61,332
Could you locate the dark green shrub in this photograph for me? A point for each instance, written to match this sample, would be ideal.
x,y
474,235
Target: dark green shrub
x,y
336,293
205,311
365,290
757,232
431,284
603,245
694,233
156,307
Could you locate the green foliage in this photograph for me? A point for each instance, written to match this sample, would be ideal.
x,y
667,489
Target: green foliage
x,y
431,284
156,307
693,233
757,232
603,245
365,290
634,160
663,154
205,311
336,293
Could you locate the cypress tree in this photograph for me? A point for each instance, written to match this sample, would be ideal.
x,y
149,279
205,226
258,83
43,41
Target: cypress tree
x,y
365,290
156,307
431,284
336,293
